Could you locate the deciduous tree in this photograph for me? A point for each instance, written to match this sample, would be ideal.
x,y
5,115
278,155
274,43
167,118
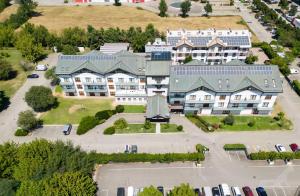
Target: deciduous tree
x,y
183,189
40,98
150,191
27,120
185,8
163,8
208,8
6,70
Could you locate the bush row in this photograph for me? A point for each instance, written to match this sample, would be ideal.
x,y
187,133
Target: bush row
x,y
21,132
296,85
202,124
109,130
87,123
144,157
234,147
262,155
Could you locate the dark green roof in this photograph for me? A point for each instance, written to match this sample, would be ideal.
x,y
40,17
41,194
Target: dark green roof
x,y
157,106
101,63
158,68
225,78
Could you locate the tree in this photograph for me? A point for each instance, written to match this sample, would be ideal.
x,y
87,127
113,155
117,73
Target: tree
x,y
8,159
27,120
7,36
8,186
188,59
4,4
183,189
30,50
40,98
4,101
69,50
208,8
185,8
163,8
284,4
117,3
74,36
231,2
251,59
6,71
293,10
150,191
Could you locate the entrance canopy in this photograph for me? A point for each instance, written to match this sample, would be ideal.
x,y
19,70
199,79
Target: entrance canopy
x,y
157,108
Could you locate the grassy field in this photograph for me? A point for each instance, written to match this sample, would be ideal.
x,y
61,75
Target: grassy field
x,y
11,86
168,128
58,18
241,123
4,15
134,108
72,110
136,128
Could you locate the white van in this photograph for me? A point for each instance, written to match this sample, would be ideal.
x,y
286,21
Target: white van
x,y
130,191
206,191
236,191
224,189
41,68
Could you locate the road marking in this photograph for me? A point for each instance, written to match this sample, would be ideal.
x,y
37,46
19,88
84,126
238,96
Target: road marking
x,y
269,166
237,154
229,156
274,191
157,168
283,191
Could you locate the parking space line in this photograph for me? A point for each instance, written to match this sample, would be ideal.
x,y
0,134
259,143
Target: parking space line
x,y
237,154
283,191
155,168
274,191
229,156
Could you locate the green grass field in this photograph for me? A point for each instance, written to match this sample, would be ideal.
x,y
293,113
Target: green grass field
x,y
241,123
170,128
134,108
11,86
72,110
136,128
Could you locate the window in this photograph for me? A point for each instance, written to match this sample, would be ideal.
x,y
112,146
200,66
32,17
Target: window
x,y
66,79
221,104
124,99
142,80
129,99
268,97
132,88
99,80
207,97
120,79
131,79
118,99
191,105
112,93
81,93
233,54
111,87
250,105
222,97
265,104
192,97
253,97
140,99
205,105
235,105
77,79
237,97
142,87
88,80
110,80
79,86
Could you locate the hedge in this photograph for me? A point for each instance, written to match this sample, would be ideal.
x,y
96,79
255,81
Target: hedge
x,y
200,148
234,147
87,123
296,85
109,130
104,114
21,132
120,108
262,155
144,157
202,124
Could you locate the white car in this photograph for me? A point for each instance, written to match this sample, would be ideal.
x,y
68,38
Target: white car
x,y
294,71
280,148
236,191
41,68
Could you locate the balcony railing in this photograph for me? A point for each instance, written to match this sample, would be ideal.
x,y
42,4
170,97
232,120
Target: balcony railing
x,y
245,101
67,90
127,83
95,89
66,83
94,83
200,101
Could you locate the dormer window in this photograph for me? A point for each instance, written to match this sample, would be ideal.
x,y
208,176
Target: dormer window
x,y
274,83
266,83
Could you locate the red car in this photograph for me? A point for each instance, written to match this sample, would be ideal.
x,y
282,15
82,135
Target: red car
x,y
247,191
294,147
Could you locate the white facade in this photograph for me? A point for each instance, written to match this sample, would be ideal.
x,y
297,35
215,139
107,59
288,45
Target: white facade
x,y
208,46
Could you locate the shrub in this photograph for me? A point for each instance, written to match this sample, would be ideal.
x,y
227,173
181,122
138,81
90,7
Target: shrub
x,y
262,155
110,130
87,123
40,98
234,147
179,128
105,114
167,126
27,120
251,123
229,120
147,124
120,123
4,101
201,123
296,85
120,108
6,71
21,132
200,148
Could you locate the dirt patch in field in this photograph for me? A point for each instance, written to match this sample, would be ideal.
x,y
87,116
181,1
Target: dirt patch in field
x,y
76,108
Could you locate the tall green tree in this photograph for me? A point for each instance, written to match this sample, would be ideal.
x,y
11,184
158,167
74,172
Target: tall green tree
x,y
183,189
4,4
185,8
74,36
208,8
163,8
6,70
40,98
251,59
187,59
293,10
117,3
7,36
284,4
27,120
8,159
4,101
150,191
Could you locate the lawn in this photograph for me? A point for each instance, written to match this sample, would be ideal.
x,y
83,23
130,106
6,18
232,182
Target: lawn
x,y
241,123
136,128
58,18
11,86
72,110
168,128
134,108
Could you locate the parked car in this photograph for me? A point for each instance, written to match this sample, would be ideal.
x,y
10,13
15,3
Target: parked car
x,y
294,147
121,191
161,189
206,191
261,191
294,71
67,129
224,189
130,191
41,68
280,148
247,191
216,191
197,191
134,149
236,191
33,76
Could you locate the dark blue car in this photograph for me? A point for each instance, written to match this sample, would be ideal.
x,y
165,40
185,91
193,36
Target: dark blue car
x,y
261,191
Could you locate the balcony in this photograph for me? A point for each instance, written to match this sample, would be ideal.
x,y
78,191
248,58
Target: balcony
x,y
132,93
200,101
245,101
127,83
264,108
69,90
94,83
95,89
66,83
